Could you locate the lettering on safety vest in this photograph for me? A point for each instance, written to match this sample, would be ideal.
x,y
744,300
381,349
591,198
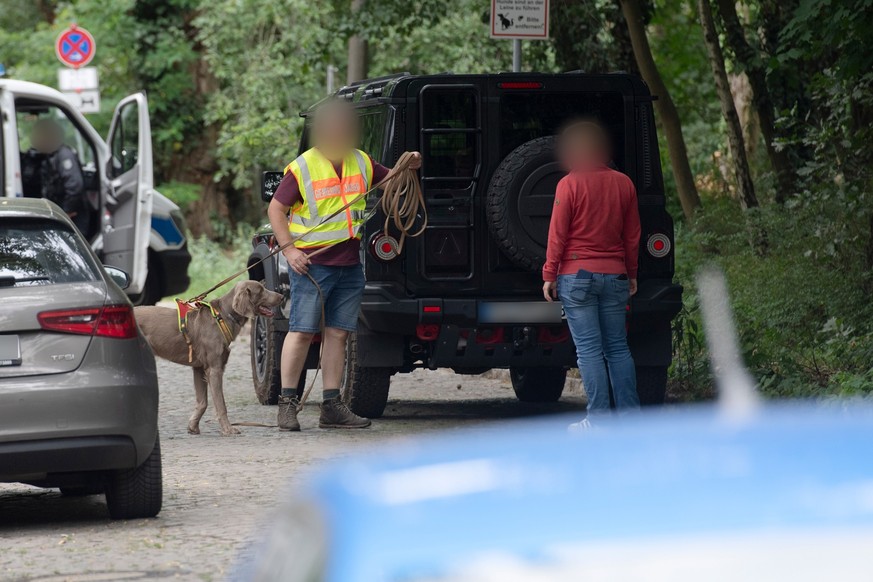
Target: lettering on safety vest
x,y
330,191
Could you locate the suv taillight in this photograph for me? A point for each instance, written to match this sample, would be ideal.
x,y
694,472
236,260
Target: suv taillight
x,y
384,247
658,245
520,85
115,321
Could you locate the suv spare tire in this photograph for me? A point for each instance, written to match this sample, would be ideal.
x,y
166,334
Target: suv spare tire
x,y
520,199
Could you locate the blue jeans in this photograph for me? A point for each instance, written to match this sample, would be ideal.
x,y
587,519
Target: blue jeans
x,y
342,289
596,308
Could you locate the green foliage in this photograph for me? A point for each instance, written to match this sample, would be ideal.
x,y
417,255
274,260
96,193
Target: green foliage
x,y
269,60
212,261
167,63
182,193
801,310
435,48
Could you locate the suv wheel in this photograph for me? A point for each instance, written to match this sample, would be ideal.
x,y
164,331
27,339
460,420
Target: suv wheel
x,y
520,199
137,492
365,390
651,384
538,384
266,358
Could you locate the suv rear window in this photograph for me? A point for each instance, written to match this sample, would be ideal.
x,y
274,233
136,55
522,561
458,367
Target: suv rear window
x,y
528,115
42,252
450,133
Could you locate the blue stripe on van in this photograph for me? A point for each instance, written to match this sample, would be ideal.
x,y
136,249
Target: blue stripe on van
x,y
168,230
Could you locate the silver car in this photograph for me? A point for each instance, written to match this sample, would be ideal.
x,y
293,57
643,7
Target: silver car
x,y
78,384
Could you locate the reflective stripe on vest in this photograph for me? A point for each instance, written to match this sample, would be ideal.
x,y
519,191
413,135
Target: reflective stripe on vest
x,y
323,193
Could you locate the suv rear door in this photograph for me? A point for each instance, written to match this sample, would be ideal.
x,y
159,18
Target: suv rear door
x,y
130,182
449,134
465,129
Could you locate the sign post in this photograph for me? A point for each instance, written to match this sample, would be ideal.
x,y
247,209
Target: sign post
x,y
519,20
75,48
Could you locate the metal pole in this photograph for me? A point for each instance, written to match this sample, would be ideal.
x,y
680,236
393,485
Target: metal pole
x,y
516,55
331,81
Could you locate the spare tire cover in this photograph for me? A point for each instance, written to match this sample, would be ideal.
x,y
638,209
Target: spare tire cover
x,y
520,199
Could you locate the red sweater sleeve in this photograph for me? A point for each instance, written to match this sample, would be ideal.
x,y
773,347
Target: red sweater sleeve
x,y
631,232
559,230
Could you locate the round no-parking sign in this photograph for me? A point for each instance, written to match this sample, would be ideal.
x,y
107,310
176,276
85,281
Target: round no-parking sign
x,y
75,47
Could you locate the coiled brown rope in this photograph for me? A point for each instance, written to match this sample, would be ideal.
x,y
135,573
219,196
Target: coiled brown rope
x,y
403,201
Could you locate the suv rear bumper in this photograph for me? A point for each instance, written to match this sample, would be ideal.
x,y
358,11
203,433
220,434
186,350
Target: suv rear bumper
x,y
383,312
390,324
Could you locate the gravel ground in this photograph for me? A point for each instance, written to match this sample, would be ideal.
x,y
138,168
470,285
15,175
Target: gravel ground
x,y
217,489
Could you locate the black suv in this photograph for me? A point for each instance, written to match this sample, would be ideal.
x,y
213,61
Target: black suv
x,y
467,294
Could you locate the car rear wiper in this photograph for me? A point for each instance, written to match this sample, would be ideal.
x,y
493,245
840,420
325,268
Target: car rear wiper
x,y
10,281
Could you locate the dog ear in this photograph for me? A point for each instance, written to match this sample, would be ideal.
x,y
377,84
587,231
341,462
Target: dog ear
x,y
242,301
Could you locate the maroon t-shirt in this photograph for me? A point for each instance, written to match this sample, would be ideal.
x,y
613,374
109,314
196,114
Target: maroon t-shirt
x,y
346,253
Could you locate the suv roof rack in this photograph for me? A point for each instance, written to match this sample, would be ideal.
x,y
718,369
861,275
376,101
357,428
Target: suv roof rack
x,y
372,87
374,80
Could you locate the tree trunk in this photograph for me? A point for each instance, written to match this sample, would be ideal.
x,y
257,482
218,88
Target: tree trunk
x,y
48,9
753,65
624,47
745,186
664,106
357,65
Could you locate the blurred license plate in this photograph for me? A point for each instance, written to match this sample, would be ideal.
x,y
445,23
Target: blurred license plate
x,y
520,312
10,351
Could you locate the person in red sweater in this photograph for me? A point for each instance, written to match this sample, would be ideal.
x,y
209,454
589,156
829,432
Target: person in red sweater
x,y
591,265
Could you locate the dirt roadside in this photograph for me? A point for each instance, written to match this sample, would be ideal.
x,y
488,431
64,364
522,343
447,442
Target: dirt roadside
x,y
218,489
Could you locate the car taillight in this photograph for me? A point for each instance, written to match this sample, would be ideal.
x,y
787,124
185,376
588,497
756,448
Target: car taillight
x,y
658,245
115,321
384,247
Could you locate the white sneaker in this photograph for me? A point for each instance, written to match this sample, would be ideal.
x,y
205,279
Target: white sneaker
x,y
581,426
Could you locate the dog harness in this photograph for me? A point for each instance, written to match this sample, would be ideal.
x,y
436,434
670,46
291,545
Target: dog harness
x,y
184,309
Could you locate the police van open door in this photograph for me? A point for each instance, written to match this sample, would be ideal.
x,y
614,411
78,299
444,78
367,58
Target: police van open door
x,y
129,203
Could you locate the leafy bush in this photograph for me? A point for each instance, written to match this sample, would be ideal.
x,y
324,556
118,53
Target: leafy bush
x,y
801,309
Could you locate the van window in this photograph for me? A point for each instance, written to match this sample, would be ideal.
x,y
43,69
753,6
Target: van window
x,y
450,132
125,140
528,115
28,113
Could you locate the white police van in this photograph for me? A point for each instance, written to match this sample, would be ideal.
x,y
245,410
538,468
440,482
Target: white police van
x,y
131,225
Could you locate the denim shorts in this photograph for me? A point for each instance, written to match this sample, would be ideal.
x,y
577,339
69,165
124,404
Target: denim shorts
x,y
341,291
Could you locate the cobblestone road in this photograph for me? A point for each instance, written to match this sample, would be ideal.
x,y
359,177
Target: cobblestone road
x,y
217,489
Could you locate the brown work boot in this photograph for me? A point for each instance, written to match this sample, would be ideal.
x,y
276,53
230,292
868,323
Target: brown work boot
x,y
335,414
287,418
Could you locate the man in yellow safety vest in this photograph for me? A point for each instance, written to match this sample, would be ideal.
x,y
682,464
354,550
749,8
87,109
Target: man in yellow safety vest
x,y
317,184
